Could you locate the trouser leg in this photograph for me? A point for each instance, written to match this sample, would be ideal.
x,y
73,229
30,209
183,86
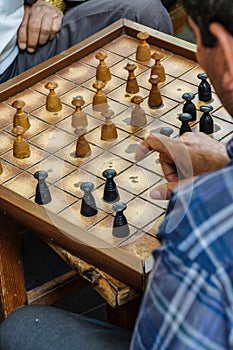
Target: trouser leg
x,y
86,19
49,328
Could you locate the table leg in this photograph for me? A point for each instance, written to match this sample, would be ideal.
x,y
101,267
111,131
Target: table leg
x,y
125,315
12,282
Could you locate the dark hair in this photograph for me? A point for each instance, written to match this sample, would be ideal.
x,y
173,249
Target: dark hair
x,y
205,12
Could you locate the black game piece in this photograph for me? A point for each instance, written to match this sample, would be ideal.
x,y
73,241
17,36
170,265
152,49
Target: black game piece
x,y
120,224
43,195
189,106
206,121
185,118
88,206
204,88
110,190
166,131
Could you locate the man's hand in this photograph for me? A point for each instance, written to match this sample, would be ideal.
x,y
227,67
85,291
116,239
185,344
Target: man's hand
x,y
41,23
189,155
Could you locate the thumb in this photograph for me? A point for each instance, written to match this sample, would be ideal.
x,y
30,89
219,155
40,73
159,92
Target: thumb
x,y
163,191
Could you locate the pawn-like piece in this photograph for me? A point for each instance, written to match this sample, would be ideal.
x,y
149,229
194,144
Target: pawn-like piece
x,y
158,68
108,129
138,115
206,121
189,106
99,102
88,205
155,98
111,194
166,131
204,88
131,84
20,118
102,71
83,148
120,224
43,195
143,52
53,102
79,117
20,147
185,118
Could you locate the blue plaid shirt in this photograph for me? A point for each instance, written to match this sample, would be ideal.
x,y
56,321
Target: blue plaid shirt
x,y
188,303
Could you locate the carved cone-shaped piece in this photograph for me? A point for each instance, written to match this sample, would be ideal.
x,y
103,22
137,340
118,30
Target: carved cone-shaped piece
x,y
20,118
99,100
79,117
53,102
158,68
143,52
20,148
83,148
155,98
102,71
108,129
131,84
138,115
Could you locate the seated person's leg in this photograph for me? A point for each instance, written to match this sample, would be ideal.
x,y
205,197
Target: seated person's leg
x,y
91,16
48,328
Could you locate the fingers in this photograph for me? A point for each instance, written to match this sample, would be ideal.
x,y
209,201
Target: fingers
x,y
163,191
156,143
41,23
55,27
22,32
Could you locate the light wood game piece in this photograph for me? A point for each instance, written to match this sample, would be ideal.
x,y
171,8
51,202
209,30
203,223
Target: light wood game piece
x,y
53,102
158,68
83,148
143,52
43,195
102,71
99,100
108,129
138,115
155,98
79,117
20,118
131,84
88,205
20,147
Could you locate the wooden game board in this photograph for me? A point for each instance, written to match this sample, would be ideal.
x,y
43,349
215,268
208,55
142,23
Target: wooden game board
x,y
52,142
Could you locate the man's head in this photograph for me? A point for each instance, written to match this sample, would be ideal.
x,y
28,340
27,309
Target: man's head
x,y
212,23
205,12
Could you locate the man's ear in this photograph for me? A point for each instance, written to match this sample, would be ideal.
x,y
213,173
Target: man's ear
x,y
225,41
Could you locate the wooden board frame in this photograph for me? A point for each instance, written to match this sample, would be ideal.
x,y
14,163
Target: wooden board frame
x,y
109,259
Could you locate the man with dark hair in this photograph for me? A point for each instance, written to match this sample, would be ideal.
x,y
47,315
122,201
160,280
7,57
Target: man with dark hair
x,y
188,303
34,30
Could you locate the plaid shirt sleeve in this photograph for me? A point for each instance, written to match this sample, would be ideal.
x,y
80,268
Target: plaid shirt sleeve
x,y
188,303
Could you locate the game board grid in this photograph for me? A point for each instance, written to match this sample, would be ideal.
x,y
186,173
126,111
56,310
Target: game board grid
x,y
65,186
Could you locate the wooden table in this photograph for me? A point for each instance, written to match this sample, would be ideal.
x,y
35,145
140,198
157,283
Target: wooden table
x,y
117,267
